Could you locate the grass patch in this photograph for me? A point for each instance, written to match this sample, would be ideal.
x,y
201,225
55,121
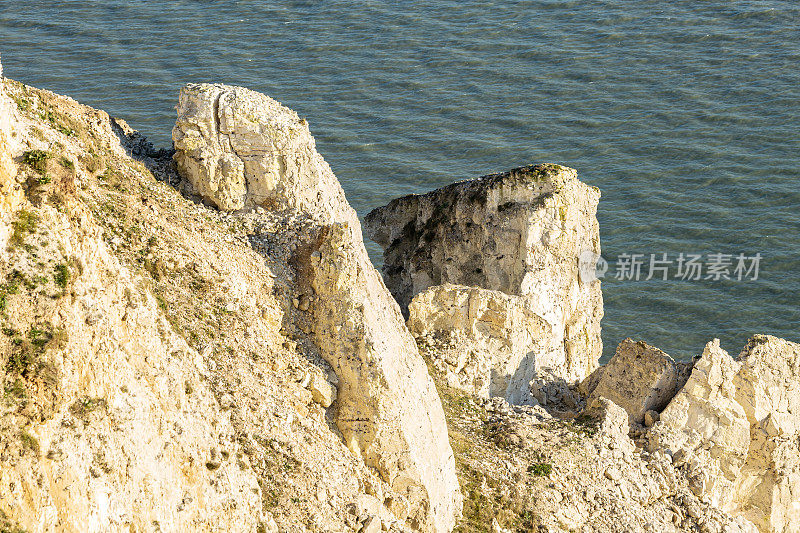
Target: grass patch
x,y
23,104
56,122
67,163
540,469
36,159
24,225
26,357
29,442
61,275
15,389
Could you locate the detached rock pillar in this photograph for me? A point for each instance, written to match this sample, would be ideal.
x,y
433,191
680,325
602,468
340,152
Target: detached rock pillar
x,y
523,233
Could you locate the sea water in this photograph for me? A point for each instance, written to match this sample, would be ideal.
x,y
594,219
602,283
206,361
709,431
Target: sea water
x,y
684,114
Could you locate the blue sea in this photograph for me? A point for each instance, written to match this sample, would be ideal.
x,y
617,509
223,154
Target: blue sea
x,y
685,114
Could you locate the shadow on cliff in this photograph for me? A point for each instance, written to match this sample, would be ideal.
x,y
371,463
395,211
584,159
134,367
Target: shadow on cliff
x,y
158,161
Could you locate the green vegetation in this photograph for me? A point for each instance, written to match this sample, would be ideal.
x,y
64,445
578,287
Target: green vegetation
x,y
39,337
540,469
29,442
67,163
62,275
15,389
36,159
584,425
162,303
6,526
23,104
84,406
24,358
57,122
24,225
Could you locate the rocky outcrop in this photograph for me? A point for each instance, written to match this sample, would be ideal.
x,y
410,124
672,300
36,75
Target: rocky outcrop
x,y
528,471
170,366
239,148
495,345
522,233
639,378
242,149
108,421
735,426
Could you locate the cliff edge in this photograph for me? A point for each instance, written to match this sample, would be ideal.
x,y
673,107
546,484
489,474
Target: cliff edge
x,y
193,339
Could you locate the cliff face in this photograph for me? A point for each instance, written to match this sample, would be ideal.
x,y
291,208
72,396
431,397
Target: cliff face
x,y
387,409
735,427
522,233
109,420
168,365
227,359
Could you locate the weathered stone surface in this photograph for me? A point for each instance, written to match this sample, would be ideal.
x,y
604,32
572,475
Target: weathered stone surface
x,y
388,409
110,439
521,232
612,431
704,417
735,426
322,391
639,378
496,344
240,148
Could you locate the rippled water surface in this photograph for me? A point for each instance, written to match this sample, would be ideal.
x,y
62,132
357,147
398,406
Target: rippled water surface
x,y
685,115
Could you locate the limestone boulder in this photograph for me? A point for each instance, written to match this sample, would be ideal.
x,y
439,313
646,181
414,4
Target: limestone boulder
x,y
521,232
612,430
639,378
705,419
240,149
496,344
735,427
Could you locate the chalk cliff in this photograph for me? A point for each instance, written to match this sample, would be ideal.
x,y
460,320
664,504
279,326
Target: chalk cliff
x,y
170,365
195,340
735,427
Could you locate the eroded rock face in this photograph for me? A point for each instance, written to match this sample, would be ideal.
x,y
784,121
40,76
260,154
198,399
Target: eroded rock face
x,y
639,378
521,232
496,344
239,148
735,426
